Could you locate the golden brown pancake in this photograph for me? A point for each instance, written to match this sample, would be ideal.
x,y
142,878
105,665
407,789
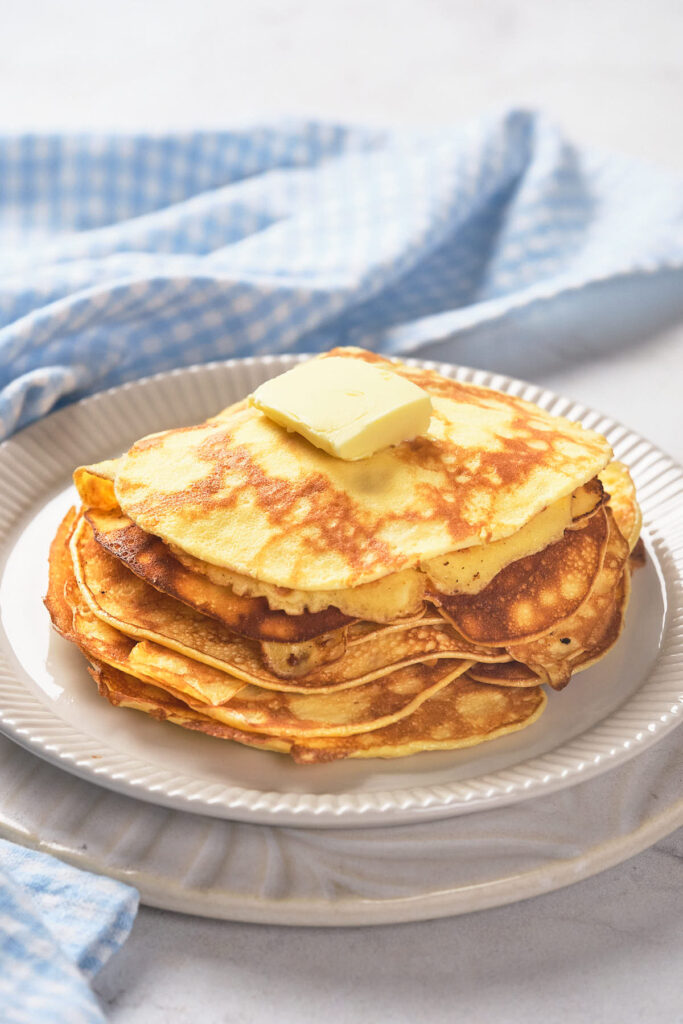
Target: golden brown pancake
x,y
514,673
550,656
464,713
622,500
233,579
335,713
95,484
150,559
123,690
396,596
128,604
241,492
511,673
98,640
529,596
240,705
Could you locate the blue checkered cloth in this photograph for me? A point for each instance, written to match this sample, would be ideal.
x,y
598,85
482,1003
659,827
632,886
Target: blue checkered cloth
x,y
126,255
58,926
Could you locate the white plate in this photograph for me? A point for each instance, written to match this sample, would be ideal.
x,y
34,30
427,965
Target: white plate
x,y
49,704
294,876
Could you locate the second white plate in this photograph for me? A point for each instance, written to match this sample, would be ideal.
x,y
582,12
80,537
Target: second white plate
x,y
49,704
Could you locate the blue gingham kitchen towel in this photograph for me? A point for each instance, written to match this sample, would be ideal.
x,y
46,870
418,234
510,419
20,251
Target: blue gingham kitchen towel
x,y
125,255
58,926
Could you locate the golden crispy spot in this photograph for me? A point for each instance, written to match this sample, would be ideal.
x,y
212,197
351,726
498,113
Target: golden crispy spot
x,y
592,628
438,724
508,610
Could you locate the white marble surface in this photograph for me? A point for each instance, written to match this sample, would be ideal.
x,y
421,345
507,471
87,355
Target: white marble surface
x,y
609,948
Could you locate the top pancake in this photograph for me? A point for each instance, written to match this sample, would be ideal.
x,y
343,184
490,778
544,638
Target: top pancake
x,y
241,492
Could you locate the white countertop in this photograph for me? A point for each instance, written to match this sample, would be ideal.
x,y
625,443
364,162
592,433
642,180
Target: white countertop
x,y
606,949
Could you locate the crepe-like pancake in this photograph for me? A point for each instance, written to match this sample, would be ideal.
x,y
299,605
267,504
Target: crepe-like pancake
x,y
511,673
370,650
75,621
239,602
95,484
240,491
396,596
528,597
244,706
250,708
336,713
471,570
514,673
464,713
552,654
128,604
618,483
401,594
149,558
126,691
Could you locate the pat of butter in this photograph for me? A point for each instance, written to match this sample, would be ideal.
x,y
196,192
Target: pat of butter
x,y
349,408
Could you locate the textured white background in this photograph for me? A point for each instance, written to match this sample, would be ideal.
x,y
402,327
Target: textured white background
x,y
611,71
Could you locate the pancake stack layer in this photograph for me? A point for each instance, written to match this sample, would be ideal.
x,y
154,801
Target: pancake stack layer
x,y
233,579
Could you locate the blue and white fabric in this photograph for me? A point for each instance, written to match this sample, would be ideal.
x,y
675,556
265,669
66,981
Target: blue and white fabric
x,y
58,927
122,256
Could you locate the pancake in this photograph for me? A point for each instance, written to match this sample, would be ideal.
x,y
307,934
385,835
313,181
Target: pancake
x,y
241,492
225,595
231,701
150,559
511,673
123,690
95,484
235,580
337,713
402,594
514,673
119,598
531,595
463,714
471,570
396,596
551,655
98,640
622,500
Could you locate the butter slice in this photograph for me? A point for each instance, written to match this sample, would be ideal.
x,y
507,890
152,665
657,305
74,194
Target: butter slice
x,y
349,408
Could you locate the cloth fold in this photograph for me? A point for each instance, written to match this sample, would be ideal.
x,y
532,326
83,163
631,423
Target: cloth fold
x,y
58,926
126,255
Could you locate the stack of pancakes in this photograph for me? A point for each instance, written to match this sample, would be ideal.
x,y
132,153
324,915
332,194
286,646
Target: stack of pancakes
x,y
232,578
